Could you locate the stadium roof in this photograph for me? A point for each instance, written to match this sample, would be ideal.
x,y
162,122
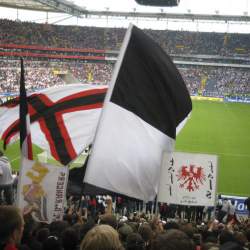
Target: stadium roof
x,y
65,6
26,4
44,5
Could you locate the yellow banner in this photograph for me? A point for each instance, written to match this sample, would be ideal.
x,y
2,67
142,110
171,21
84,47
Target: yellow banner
x,y
60,72
207,98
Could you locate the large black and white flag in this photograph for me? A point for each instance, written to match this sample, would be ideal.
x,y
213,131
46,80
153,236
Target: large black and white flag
x,y
146,102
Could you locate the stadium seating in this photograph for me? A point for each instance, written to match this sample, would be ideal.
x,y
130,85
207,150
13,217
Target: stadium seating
x,y
174,42
58,43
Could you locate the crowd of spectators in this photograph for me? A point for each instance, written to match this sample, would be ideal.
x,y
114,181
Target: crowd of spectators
x,y
98,73
229,81
206,80
174,42
192,77
216,81
90,225
35,79
43,74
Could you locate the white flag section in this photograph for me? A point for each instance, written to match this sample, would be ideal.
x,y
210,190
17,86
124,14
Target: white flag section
x,y
42,187
188,179
63,119
145,103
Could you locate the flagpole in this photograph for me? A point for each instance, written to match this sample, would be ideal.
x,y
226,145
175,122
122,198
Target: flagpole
x,y
112,82
163,164
21,153
25,135
159,184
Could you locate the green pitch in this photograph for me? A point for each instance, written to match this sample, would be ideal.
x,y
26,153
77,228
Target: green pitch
x,y
222,129
13,153
214,128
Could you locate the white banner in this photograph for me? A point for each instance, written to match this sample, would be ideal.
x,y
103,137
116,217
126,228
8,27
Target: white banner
x,y
42,188
188,179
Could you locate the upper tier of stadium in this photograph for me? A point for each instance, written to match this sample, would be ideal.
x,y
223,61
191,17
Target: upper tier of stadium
x,y
174,42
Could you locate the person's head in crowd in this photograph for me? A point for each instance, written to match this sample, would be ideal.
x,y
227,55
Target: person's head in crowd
x,y
52,243
157,225
235,227
57,227
219,228
231,246
101,237
171,225
123,220
226,236
124,231
210,239
188,229
69,239
240,238
247,233
172,240
11,225
143,216
29,240
42,234
108,219
77,228
133,225
210,246
154,223
29,230
86,227
135,242
146,232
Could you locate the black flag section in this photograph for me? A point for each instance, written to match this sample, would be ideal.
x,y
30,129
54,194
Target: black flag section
x,y
159,95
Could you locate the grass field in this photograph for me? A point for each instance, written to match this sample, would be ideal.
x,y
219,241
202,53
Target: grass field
x,y
214,128
222,129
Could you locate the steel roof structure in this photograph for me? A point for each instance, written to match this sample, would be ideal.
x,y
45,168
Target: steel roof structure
x,y
65,6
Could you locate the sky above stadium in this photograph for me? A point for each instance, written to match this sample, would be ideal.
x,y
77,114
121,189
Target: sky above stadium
x,y
226,7
214,7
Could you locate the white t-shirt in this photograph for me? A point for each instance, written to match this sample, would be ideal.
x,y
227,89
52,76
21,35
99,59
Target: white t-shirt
x,y
225,206
232,209
5,171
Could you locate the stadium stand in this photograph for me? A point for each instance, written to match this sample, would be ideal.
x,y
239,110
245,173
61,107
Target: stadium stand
x,y
174,42
55,53
39,74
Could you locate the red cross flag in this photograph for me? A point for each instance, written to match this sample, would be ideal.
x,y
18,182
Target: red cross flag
x,y
63,119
